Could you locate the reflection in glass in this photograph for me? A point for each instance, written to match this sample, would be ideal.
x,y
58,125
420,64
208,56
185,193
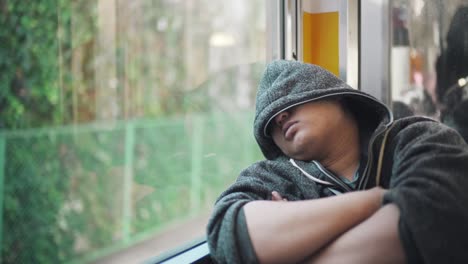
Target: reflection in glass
x,y
121,122
452,73
429,54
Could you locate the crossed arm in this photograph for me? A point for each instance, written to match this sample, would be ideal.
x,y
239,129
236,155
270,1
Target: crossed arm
x,y
349,228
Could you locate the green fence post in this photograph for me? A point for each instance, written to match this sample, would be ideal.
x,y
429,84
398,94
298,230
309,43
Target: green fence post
x,y
128,179
2,177
197,156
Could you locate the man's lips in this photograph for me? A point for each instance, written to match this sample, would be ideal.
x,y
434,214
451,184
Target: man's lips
x,y
288,129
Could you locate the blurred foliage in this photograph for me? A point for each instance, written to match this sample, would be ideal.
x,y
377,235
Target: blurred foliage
x,y
33,195
28,62
28,97
69,202
70,62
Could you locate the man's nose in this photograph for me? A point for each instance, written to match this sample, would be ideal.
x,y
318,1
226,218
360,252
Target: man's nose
x,y
281,118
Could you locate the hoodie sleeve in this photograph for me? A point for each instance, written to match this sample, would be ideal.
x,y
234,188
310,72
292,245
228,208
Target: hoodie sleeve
x,y
227,228
429,184
227,234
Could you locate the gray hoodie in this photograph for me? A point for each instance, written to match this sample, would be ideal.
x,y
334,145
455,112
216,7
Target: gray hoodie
x,y
420,161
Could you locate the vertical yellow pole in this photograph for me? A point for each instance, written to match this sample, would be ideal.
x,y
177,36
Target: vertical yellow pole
x,y
320,33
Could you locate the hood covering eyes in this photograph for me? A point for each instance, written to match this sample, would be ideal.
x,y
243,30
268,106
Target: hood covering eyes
x,y
285,84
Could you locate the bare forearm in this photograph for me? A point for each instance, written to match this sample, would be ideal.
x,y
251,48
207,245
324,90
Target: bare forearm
x,y
375,240
290,231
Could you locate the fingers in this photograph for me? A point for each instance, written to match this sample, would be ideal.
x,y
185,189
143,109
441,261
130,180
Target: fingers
x,y
275,196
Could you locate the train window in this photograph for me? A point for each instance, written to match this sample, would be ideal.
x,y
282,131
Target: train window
x,y
121,122
428,59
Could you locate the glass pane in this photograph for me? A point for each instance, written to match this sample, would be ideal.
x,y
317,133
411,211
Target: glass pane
x,y
122,121
429,55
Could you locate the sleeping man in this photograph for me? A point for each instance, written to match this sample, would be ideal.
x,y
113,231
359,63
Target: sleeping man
x,y
342,181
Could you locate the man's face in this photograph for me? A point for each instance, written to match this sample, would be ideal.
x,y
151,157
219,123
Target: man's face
x,y
308,131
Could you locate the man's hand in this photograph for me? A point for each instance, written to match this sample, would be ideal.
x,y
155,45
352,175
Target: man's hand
x,y
275,196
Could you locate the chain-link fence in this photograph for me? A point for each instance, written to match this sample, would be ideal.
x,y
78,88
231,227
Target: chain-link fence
x,y
75,192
